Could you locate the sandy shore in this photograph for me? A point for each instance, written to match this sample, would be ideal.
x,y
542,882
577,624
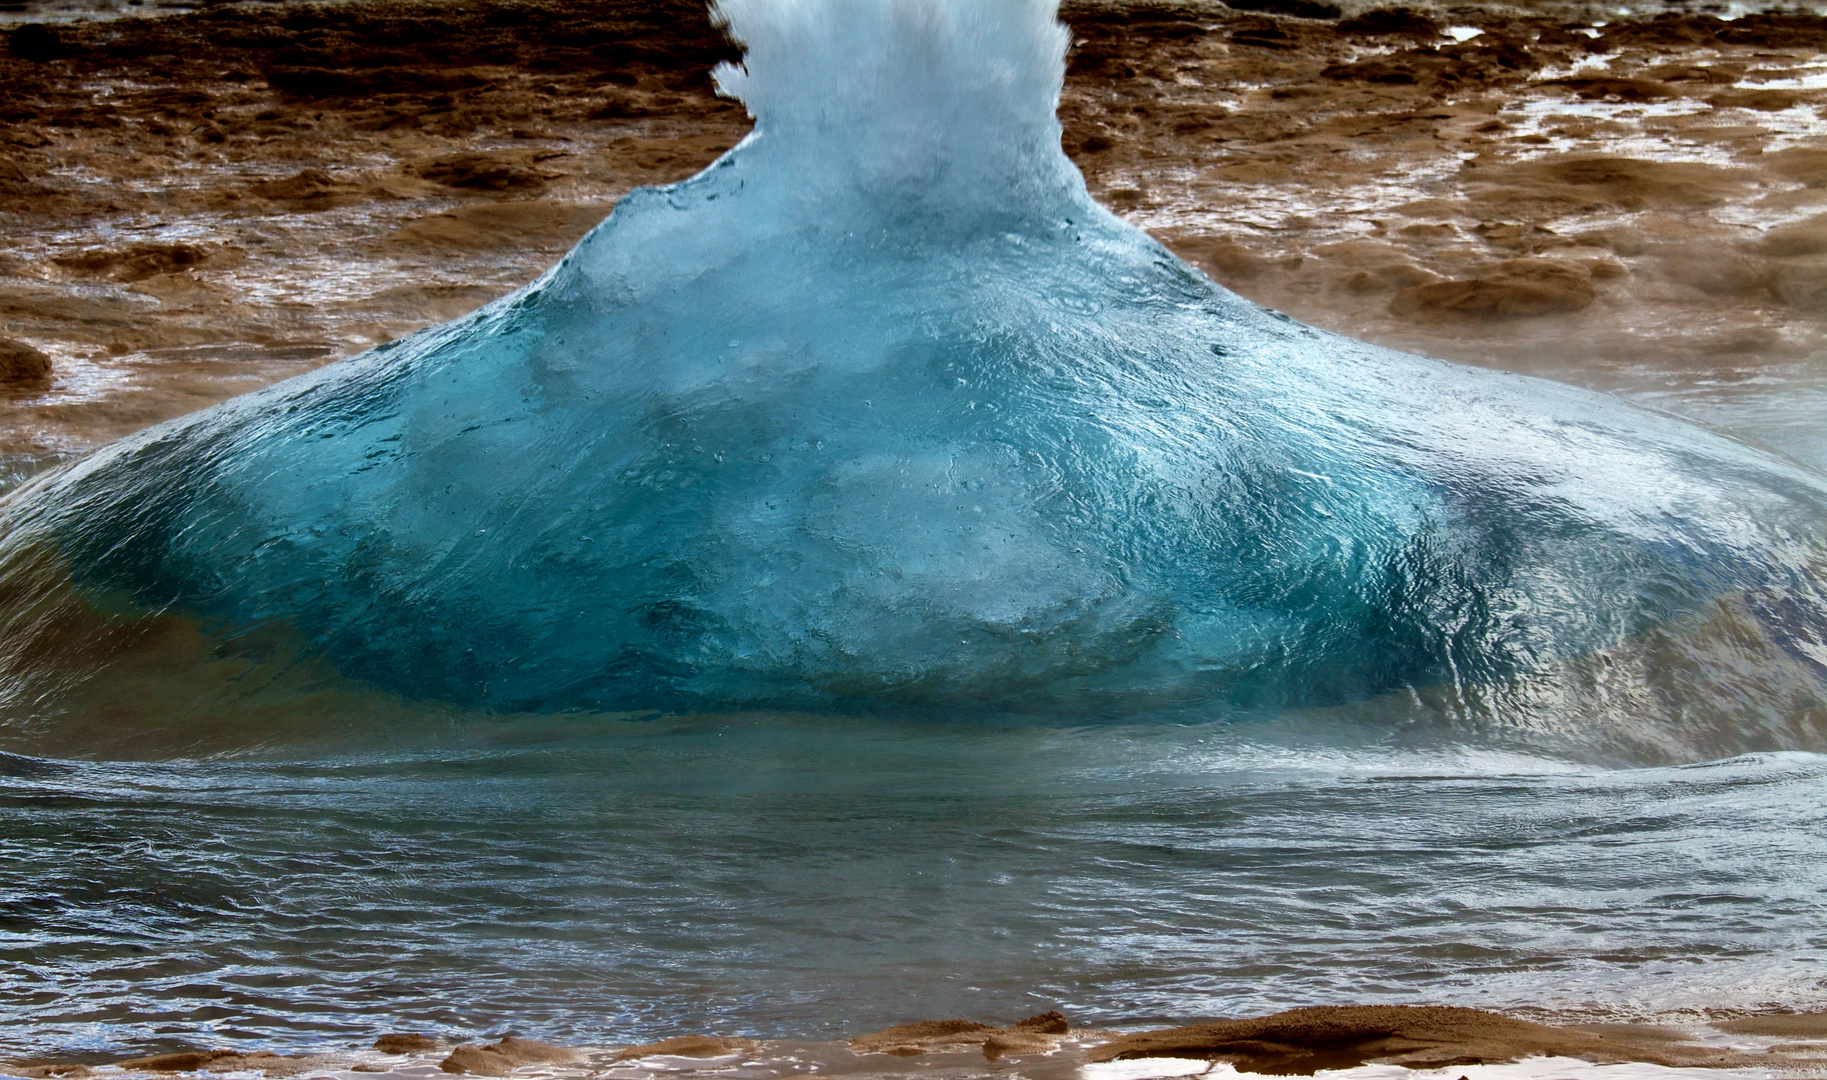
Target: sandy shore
x,y
198,205
1297,1042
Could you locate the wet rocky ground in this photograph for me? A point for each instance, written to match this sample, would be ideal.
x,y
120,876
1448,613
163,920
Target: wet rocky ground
x,y
1047,1047
198,204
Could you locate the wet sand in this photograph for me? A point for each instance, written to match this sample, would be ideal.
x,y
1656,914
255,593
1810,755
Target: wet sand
x,y
1299,1042
198,205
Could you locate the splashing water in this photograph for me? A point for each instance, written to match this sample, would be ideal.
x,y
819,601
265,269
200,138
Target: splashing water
x,y
881,411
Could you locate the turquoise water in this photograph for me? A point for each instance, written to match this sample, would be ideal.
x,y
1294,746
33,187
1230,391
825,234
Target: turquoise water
x,y
791,876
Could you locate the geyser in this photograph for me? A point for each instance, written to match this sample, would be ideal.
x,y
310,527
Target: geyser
x,y
882,410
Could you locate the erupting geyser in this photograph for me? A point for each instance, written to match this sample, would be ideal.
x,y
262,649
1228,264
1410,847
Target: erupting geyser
x,y
882,409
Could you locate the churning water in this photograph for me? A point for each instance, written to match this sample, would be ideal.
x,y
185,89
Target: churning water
x,y
787,876
868,580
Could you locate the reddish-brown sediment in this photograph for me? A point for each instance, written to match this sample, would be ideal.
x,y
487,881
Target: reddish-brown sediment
x,y
198,205
1304,1041
1296,1042
502,1057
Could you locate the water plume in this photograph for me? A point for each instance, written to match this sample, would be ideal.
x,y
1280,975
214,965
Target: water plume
x,y
881,411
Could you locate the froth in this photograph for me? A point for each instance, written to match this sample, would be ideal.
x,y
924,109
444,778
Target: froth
x,y
924,99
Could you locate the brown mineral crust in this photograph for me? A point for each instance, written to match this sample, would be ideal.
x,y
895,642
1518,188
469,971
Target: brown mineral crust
x,y
503,1057
406,1043
1300,1042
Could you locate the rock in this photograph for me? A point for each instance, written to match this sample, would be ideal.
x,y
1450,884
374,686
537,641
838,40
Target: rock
x,y
36,42
688,1046
1051,1022
1400,21
393,1043
476,1061
20,363
503,1057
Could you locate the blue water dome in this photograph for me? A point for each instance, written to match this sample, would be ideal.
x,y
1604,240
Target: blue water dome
x,y
880,412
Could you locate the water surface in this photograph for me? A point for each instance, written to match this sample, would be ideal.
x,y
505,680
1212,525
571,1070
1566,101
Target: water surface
x,y
785,876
